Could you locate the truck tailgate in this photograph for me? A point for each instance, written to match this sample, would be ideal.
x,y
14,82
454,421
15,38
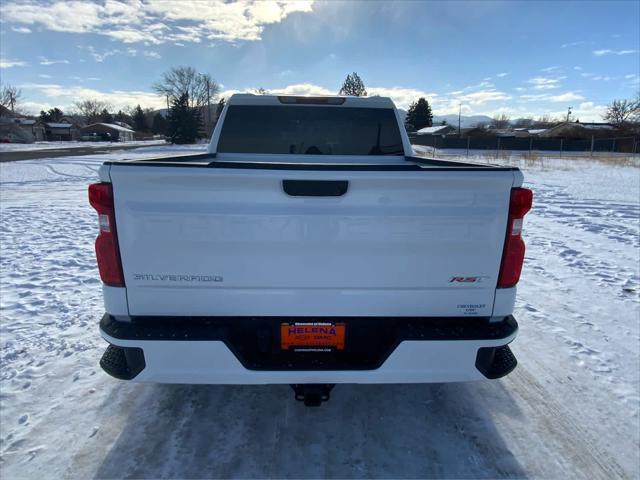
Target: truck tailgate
x,y
231,242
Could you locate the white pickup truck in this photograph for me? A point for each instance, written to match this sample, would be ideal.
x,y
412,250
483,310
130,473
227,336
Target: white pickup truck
x,y
309,247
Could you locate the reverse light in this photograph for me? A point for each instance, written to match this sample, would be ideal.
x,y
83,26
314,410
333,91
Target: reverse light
x,y
513,254
107,252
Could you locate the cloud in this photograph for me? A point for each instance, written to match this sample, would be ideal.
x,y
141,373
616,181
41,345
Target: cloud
x,y
64,96
99,56
21,29
46,61
151,54
503,74
156,22
547,97
303,89
402,97
483,96
565,97
593,76
104,54
544,83
606,51
6,63
574,44
586,112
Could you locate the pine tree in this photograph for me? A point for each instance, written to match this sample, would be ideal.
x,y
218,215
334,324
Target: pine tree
x,y
220,107
184,122
122,117
105,116
139,119
353,86
159,125
419,115
52,115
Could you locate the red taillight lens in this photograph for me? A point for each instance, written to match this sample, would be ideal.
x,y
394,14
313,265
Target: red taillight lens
x,y
107,253
513,254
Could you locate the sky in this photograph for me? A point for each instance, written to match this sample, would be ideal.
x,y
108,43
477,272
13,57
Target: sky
x,y
521,59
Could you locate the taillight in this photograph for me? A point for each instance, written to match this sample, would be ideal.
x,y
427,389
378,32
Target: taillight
x,y
107,253
513,254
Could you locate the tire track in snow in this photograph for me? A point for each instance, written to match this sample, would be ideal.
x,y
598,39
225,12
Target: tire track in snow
x,y
565,439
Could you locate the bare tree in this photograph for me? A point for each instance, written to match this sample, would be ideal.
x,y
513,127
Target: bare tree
x,y
501,121
177,81
91,110
523,122
621,112
10,96
546,121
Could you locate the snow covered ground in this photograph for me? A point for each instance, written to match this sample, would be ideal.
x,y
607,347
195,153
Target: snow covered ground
x,y
569,410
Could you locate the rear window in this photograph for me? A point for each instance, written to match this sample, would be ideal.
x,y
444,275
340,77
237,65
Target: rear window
x,y
305,130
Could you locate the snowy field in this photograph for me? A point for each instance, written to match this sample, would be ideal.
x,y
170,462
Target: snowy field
x,y
570,410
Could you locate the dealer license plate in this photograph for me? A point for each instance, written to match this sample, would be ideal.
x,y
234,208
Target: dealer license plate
x,y
315,336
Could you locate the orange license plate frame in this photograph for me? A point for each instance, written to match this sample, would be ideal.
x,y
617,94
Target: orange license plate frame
x,y
312,336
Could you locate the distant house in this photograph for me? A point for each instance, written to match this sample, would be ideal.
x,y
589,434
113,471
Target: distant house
x,y
122,124
577,130
17,129
109,131
536,131
476,132
60,131
33,127
502,132
436,130
523,132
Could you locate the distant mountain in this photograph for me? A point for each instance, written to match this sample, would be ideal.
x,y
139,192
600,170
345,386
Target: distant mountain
x,y
465,121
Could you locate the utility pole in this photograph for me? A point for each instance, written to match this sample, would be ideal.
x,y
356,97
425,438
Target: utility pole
x,y
568,113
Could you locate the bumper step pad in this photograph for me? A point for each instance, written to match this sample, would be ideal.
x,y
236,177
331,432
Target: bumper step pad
x,y
495,362
123,363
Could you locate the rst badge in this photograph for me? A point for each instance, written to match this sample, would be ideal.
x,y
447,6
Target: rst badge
x,y
467,279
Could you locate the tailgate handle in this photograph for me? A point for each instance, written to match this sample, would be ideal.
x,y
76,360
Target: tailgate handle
x,y
315,188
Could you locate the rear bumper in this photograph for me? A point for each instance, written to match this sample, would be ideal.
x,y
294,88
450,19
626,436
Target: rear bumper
x,y
241,350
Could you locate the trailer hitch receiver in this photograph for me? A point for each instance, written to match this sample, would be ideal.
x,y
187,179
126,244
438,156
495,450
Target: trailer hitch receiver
x,y
313,394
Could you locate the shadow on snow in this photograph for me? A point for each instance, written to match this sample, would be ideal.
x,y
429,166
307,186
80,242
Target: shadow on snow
x,y
195,431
